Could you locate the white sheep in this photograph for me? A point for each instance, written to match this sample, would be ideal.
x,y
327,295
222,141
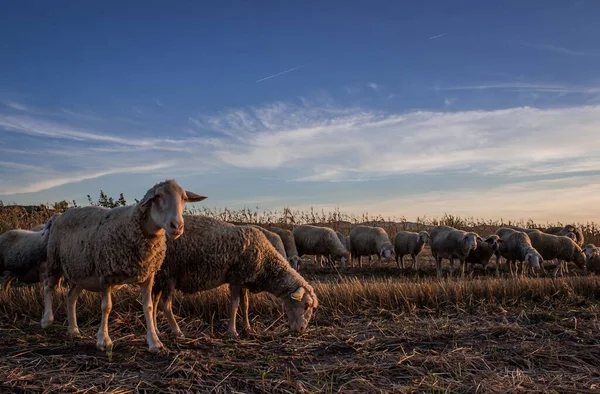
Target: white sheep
x,y
449,243
99,249
22,252
409,243
516,247
289,244
564,249
314,240
212,253
369,240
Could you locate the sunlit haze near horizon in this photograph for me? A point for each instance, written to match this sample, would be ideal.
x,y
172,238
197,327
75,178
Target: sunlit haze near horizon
x,y
478,109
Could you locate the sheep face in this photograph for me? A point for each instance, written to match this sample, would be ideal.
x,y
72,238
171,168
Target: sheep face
x,y
572,236
386,252
589,250
299,307
295,262
493,241
423,237
168,200
532,259
470,241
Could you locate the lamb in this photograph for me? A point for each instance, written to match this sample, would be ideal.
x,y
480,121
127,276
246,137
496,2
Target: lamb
x,y
273,238
486,248
367,241
212,253
289,244
314,240
569,228
99,249
450,243
552,247
516,247
409,243
22,252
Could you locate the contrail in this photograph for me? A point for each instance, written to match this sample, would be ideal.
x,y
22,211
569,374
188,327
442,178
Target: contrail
x,y
287,71
438,36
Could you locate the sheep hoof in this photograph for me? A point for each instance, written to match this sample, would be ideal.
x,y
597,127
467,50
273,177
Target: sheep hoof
x,y
248,330
46,322
104,344
157,347
179,335
74,333
232,334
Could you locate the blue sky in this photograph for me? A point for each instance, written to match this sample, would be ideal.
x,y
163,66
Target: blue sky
x,y
486,109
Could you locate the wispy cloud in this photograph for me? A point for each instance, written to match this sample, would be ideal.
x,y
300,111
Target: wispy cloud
x,y
15,105
562,50
374,86
437,36
525,86
288,71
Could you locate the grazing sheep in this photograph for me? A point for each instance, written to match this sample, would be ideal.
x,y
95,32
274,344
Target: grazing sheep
x,y
289,244
409,243
589,249
592,258
569,228
314,240
486,248
273,238
22,252
367,241
516,247
99,249
450,243
521,229
211,253
558,247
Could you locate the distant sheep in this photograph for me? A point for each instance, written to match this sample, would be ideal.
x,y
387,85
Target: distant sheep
x,y
369,240
486,248
22,252
450,243
315,240
211,253
569,228
516,247
289,244
558,247
99,249
273,238
409,243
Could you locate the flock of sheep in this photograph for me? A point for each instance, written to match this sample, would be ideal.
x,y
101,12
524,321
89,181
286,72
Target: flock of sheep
x,y
100,250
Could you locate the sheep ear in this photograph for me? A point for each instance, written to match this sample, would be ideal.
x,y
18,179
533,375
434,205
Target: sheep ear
x,y
479,239
298,294
150,195
193,197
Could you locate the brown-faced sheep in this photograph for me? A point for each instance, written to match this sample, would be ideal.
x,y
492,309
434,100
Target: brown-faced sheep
x,y
289,244
368,241
99,249
450,243
212,253
409,243
315,240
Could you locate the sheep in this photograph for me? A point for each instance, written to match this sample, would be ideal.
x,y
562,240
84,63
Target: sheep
x,y
486,248
273,238
344,240
99,249
22,252
289,244
367,241
569,228
39,227
516,247
212,253
592,257
558,247
450,243
409,243
314,240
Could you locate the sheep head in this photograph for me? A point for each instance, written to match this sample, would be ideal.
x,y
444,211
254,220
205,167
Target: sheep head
x,y
533,259
387,251
295,261
423,237
493,241
470,241
166,200
299,307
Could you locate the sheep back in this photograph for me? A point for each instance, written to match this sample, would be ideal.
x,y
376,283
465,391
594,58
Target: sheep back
x,y
368,240
407,243
315,240
552,247
288,240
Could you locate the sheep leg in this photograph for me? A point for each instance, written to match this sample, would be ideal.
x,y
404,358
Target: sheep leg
x,y
234,291
166,305
463,266
72,297
497,266
245,308
154,344
438,263
49,287
155,306
414,264
8,282
103,341
557,269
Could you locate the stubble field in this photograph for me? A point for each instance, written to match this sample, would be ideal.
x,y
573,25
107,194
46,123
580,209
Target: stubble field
x,y
377,329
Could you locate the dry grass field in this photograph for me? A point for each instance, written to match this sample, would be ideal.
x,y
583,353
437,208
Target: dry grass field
x,y
377,330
